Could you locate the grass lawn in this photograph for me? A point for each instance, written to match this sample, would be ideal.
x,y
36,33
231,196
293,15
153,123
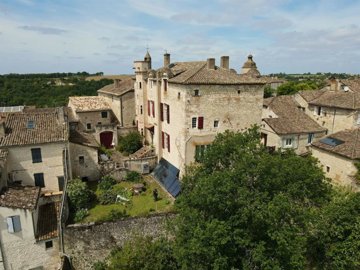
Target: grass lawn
x,y
140,205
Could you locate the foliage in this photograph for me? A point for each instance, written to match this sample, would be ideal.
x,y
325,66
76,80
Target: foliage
x,y
107,196
116,214
336,240
245,208
133,176
144,253
290,88
268,91
79,194
42,90
106,183
81,214
130,143
99,265
104,150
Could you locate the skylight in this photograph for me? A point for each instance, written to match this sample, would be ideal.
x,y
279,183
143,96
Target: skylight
x,y
30,124
331,141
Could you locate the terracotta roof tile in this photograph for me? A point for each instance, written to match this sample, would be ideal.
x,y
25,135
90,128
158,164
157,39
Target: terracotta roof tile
x,y
338,99
48,126
23,197
290,120
47,225
89,103
123,87
350,147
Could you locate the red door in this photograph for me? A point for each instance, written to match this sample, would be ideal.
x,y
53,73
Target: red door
x,y
106,139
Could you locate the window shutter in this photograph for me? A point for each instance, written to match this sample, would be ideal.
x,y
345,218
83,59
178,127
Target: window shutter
x,y
161,111
153,108
162,139
165,84
10,224
200,122
168,113
168,142
148,107
17,224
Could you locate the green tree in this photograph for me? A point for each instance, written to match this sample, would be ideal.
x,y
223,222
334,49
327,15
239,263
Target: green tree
x,y
79,194
268,91
130,143
144,253
245,208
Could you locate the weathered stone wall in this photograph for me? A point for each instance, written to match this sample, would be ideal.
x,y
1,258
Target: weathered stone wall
x,y
86,244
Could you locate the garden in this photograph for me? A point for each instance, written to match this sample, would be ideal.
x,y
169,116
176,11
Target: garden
x,y
108,199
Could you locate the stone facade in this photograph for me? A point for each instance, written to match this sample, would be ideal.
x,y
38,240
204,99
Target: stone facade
x,y
20,165
87,244
20,250
340,169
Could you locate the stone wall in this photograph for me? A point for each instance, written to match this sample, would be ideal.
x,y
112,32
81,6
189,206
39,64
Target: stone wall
x,y
89,243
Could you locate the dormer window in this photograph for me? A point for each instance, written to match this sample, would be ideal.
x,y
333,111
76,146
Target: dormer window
x,y
30,124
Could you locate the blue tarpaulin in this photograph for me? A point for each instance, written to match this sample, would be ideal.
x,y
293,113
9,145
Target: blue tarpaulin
x,y
168,176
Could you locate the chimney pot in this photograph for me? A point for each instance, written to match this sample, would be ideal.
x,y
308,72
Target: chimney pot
x,y
166,59
211,63
224,62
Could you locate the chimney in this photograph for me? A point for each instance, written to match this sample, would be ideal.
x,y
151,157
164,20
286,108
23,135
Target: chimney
x,y
211,63
116,83
166,59
224,62
333,84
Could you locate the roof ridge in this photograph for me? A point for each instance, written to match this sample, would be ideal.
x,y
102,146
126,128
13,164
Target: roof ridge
x,y
197,71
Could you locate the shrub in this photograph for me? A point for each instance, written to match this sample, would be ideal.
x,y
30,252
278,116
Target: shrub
x,y
81,214
106,183
130,143
133,176
107,196
99,266
116,214
79,194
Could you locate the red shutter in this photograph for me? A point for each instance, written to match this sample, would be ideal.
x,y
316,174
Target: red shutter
x,y
161,111
153,108
168,113
148,107
168,142
162,139
200,122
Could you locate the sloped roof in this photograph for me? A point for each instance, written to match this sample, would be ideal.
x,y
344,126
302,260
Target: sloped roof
x,y
198,73
123,87
350,147
310,95
89,103
338,99
83,138
291,120
48,126
47,225
23,197
353,84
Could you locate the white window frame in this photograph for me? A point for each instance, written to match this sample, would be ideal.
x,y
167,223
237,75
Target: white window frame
x,y
288,140
192,122
14,224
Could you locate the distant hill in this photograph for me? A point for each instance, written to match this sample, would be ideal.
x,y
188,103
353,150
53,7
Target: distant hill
x,y
108,77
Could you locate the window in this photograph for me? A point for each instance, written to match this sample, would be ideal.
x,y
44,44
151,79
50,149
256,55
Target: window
x,y
140,85
318,110
216,123
165,141
141,109
61,182
288,142
310,138
199,152
153,108
179,95
48,244
327,169
13,224
149,109
81,160
36,155
165,84
196,92
30,124
99,123
39,179
165,113
193,122
104,114
88,126
200,122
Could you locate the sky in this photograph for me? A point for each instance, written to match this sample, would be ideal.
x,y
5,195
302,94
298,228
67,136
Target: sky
x,y
86,35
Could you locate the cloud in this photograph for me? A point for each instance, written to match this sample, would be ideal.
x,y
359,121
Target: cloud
x,y
104,39
44,30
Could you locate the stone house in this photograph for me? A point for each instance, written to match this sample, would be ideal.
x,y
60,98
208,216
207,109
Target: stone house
x,y
285,125
34,147
120,96
183,105
84,156
338,153
335,107
94,115
29,230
